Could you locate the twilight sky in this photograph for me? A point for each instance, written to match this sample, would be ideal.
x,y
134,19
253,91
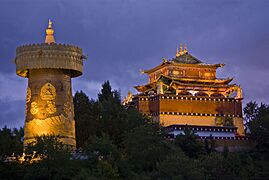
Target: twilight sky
x,y
121,37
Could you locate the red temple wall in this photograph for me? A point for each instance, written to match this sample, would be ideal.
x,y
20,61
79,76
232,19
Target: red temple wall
x,y
195,111
219,106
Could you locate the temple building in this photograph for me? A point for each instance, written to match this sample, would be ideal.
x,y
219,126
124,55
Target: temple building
x,y
49,68
186,91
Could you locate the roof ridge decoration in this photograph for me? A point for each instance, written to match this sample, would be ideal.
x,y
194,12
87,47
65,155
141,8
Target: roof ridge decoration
x,y
181,51
49,34
183,56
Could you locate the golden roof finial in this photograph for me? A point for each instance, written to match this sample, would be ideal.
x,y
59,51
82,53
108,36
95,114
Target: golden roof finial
x,y
177,52
49,34
185,49
181,50
50,24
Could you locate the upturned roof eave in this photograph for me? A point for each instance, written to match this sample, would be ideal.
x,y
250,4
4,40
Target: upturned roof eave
x,y
204,85
213,81
156,68
164,64
146,87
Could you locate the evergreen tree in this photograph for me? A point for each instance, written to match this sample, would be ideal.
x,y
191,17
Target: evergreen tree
x,y
250,111
102,148
11,147
106,93
209,145
105,116
11,142
49,158
259,126
86,114
189,143
179,166
112,117
145,147
119,143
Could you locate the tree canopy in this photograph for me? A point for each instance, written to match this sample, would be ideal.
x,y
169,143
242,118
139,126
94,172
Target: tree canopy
x,y
115,142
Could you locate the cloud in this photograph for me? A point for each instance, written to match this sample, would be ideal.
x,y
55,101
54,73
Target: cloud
x,y
12,100
91,88
12,114
12,87
122,37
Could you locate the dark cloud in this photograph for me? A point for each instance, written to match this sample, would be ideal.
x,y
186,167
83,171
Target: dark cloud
x,y
12,113
121,37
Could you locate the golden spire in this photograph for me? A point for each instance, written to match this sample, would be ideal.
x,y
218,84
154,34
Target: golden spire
x,y
181,50
177,52
185,51
49,34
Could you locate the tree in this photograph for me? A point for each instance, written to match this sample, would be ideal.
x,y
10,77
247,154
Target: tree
x,y
145,147
103,171
105,116
102,148
112,117
179,166
102,159
48,147
11,147
48,158
86,115
106,93
135,118
259,126
11,170
227,166
10,142
189,143
250,111
209,145
257,122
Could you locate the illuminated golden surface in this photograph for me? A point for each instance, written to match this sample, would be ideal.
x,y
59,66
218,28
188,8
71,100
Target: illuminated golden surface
x,y
238,122
181,51
28,95
49,56
34,108
49,34
49,68
167,120
50,109
56,125
48,92
184,90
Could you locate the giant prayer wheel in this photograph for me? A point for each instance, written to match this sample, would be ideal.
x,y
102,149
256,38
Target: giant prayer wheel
x,y
49,68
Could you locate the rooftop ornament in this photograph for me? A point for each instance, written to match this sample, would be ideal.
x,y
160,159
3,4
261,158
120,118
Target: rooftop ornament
x,y
181,51
49,34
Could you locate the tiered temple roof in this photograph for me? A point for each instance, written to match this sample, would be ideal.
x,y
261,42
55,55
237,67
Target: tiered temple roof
x,y
186,72
170,81
182,63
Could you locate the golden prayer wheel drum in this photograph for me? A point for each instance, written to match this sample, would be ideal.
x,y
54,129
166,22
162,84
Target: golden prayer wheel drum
x,y
49,103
